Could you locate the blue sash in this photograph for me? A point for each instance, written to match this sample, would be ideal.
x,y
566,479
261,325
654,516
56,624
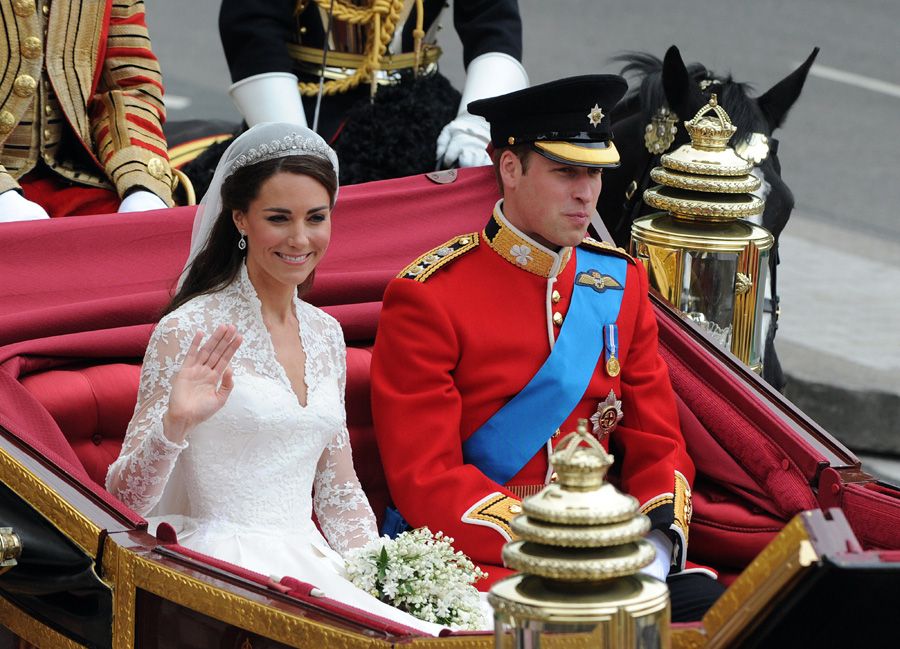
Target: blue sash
x,y
511,437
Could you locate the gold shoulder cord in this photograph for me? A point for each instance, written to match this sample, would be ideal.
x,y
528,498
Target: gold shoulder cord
x,y
381,20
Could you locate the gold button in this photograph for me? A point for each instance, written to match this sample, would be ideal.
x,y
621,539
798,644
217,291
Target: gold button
x,y
157,168
7,121
47,133
555,297
31,47
557,318
23,8
515,509
48,110
45,9
554,477
24,85
511,140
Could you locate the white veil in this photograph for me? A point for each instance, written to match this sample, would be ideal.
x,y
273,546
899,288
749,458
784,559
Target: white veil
x,y
261,142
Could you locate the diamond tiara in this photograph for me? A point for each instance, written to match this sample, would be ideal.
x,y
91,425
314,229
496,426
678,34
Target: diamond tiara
x,y
292,144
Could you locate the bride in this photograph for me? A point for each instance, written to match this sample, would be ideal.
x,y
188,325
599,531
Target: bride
x,y
240,412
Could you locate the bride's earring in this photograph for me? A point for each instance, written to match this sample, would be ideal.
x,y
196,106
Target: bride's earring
x,y
242,242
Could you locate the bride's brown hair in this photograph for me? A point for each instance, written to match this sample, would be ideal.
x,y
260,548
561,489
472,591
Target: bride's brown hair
x,y
218,262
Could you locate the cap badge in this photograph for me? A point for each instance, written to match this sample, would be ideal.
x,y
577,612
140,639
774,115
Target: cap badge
x,y
608,415
595,116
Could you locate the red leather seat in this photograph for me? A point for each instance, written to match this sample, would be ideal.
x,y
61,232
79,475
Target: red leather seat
x,y
92,406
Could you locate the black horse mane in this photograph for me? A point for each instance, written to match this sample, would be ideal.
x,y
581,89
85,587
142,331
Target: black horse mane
x,y
650,96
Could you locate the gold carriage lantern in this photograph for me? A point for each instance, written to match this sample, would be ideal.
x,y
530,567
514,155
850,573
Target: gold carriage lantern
x,y
699,253
578,555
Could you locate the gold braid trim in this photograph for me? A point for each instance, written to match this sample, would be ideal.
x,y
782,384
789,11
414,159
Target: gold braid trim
x,y
381,19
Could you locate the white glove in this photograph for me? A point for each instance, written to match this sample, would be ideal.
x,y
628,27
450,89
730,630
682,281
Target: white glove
x,y
269,97
464,140
663,561
141,200
15,207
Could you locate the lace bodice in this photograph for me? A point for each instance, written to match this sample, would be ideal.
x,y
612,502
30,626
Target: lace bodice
x,y
256,462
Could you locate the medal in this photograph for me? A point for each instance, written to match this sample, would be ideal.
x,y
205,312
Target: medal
x,y
611,345
612,366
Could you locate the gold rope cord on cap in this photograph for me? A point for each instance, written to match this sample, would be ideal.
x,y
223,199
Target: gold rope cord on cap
x,y
381,21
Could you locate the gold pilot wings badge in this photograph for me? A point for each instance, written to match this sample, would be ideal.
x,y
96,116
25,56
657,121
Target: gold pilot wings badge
x,y
598,281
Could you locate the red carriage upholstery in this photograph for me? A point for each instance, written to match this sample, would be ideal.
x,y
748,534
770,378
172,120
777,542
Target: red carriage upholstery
x,y
92,406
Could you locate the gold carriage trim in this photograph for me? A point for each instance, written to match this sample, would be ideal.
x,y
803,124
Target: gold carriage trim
x,y
495,510
66,518
130,572
31,631
590,243
425,266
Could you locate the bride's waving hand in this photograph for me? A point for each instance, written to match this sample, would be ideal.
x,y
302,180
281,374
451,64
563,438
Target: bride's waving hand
x,y
204,382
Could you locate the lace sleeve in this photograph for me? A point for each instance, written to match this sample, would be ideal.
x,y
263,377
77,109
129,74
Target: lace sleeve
x,y
341,506
140,473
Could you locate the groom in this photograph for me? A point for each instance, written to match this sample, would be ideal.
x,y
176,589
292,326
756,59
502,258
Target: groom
x,y
494,343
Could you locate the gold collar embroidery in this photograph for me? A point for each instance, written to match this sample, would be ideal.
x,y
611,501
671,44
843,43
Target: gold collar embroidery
x,y
522,251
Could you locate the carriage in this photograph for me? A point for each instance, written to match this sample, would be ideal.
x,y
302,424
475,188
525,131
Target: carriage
x,y
79,298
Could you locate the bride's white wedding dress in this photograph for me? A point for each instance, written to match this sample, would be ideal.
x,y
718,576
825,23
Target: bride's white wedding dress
x,y
241,486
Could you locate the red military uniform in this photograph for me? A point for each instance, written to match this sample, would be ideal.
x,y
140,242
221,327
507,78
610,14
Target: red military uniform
x,y
462,331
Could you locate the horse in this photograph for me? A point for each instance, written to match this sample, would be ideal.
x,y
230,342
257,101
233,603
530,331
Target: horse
x,y
649,121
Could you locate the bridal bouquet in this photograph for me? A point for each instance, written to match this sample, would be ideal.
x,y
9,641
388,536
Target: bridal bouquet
x,y
420,573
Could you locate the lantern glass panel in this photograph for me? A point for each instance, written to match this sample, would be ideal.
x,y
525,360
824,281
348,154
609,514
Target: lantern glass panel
x,y
756,351
707,292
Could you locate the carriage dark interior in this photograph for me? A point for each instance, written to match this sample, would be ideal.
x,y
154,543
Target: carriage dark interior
x,y
73,335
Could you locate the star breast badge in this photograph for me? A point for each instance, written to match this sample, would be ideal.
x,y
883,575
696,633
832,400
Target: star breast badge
x,y
595,115
609,414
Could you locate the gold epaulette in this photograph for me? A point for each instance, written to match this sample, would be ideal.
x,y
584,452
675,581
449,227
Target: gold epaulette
x,y
425,266
604,246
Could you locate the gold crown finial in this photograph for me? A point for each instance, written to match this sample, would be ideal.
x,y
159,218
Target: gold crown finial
x,y
711,132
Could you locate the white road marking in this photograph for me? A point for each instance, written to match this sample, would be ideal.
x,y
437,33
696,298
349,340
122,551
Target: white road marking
x,y
858,80
176,102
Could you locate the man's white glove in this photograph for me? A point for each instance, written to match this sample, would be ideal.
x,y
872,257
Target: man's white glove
x,y
15,207
663,561
141,200
464,140
269,97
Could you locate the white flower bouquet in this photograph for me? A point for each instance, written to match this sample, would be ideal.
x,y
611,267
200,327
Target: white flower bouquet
x,y
420,573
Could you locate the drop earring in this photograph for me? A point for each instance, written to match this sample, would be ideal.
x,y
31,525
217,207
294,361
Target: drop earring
x,y
242,242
